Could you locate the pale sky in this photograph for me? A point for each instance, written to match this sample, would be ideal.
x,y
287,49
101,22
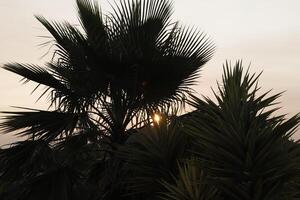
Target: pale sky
x,y
265,33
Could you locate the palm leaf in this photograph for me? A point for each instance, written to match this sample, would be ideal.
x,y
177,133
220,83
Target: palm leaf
x,y
191,184
39,124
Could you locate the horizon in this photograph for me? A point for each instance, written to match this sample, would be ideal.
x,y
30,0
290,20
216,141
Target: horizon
x,y
265,33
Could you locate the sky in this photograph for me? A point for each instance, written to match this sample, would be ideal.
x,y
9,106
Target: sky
x,y
265,34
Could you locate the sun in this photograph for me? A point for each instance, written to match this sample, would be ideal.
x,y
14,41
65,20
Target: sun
x,y
156,118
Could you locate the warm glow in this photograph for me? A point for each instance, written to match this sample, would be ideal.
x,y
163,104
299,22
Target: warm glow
x,y
156,118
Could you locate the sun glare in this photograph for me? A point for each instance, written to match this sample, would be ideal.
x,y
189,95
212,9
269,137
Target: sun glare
x,y
156,118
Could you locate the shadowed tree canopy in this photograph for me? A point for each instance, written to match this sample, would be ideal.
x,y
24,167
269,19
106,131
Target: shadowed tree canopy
x,y
99,139
112,68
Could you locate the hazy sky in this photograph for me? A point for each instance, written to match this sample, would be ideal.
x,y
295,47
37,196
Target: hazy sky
x,y
263,32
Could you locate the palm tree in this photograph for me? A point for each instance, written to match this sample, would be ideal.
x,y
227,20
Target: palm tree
x,y
243,148
133,59
232,148
98,140
105,80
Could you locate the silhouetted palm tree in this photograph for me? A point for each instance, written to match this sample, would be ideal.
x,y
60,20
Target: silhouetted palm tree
x,y
244,149
98,141
106,79
122,63
231,148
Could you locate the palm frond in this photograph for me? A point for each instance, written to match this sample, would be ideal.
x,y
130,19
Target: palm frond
x,y
57,85
191,184
92,21
39,124
35,73
161,65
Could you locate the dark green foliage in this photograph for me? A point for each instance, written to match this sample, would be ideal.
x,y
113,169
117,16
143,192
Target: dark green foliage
x,y
191,184
44,125
243,147
121,64
99,139
25,159
104,81
151,155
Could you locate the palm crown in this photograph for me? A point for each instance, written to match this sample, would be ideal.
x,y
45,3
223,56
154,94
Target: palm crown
x,y
133,59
